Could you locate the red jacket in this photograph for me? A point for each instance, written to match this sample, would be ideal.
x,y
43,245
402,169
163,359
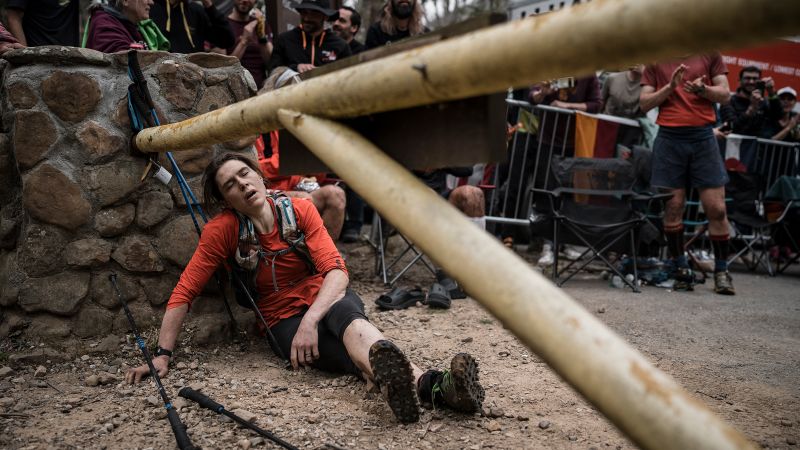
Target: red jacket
x,y
297,287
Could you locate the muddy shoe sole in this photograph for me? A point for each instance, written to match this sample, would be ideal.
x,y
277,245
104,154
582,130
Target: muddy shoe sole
x,y
394,376
466,393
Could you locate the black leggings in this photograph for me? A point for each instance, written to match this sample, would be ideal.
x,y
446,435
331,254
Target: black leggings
x,y
333,355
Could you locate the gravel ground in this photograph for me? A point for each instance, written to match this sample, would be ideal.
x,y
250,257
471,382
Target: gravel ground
x,y
738,355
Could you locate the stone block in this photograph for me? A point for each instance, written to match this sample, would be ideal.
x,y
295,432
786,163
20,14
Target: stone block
x,y
177,240
212,60
10,279
88,252
195,184
152,208
214,97
50,196
49,327
92,321
136,254
57,56
114,221
158,289
41,251
112,182
59,294
240,87
179,83
71,96
22,96
193,161
34,134
103,293
98,142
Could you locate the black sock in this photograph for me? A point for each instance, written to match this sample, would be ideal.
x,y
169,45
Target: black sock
x,y
674,237
425,385
721,251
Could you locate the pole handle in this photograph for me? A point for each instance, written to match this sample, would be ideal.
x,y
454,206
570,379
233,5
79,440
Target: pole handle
x,y
201,399
179,429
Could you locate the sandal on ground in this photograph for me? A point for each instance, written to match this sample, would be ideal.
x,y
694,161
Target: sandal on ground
x,y
399,298
438,297
450,285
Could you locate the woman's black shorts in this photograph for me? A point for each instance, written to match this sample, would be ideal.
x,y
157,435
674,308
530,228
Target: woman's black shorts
x,y
333,356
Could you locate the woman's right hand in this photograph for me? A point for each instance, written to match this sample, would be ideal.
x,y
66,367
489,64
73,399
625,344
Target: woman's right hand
x,y
161,363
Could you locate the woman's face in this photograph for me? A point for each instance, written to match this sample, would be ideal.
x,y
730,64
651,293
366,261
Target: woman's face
x,y
242,187
137,10
787,102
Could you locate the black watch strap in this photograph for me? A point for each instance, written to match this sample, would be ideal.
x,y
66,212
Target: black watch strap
x,y
162,351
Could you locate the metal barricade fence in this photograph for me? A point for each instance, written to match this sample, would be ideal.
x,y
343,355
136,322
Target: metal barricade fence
x,y
775,159
548,131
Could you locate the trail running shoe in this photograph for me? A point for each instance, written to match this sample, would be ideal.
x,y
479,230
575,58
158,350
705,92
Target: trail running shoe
x,y
684,279
395,378
723,284
458,387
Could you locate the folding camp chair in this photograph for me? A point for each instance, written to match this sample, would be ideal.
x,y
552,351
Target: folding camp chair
x,y
379,238
754,223
592,206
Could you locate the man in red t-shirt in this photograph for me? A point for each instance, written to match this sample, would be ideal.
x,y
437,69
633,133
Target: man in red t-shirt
x,y
686,154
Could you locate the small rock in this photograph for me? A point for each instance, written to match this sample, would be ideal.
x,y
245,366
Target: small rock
x,y
791,441
436,427
522,418
256,441
496,412
179,403
381,447
493,426
106,378
244,444
193,365
313,418
85,358
160,413
109,427
5,402
467,340
544,424
601,310
41,371
153,400
786,423
181,365
424,319
92,380
6,372
572,437
504,354
247,416
18,380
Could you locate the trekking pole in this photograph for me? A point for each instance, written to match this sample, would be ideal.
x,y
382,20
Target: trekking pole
x,y
271,341
178,428
208,403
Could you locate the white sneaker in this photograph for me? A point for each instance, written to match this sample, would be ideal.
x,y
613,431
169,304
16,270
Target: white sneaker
x,y
547,256
571,253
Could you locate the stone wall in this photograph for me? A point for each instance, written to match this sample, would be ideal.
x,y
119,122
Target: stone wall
x,y
72,206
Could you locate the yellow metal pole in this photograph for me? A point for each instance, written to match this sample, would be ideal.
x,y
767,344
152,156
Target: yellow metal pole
x,y
574,41
646,404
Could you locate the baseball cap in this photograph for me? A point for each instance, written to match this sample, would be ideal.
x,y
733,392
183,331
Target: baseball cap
x,y
787,90
323,6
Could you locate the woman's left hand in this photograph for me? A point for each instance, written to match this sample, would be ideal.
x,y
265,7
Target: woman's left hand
x,y
304,345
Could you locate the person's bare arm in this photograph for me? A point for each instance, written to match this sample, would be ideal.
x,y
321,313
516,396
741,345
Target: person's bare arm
x,y
305,348
650,97
568,105
717,92
14,17
170,327
787,129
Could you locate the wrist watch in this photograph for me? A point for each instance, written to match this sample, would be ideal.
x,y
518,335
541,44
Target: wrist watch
x,y
160,351
262,40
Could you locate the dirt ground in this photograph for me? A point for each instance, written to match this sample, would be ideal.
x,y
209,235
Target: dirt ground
x,y
738,355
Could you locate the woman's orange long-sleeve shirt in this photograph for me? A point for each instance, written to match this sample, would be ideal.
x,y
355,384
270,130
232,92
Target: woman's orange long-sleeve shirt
x,y
297,287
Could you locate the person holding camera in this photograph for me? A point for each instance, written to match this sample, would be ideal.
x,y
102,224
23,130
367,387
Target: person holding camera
x,y
750,106
253,39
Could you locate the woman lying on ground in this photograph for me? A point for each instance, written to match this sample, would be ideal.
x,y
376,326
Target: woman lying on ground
x,y
315,318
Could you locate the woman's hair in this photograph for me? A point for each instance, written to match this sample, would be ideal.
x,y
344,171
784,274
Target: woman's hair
x,y
415,26
212,197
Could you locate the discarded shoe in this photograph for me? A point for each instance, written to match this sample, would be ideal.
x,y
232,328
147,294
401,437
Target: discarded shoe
x,y
399,298
458,387
547,256
438,297
395,379
684,279
450,285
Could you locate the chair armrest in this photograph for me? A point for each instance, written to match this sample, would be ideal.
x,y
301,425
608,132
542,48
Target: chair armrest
x,y
622,193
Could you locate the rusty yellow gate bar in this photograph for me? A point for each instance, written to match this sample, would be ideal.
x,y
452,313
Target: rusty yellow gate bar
x,y
576,41
646,404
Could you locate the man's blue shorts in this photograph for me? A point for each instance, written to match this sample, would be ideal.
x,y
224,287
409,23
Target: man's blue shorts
x,y
686,157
